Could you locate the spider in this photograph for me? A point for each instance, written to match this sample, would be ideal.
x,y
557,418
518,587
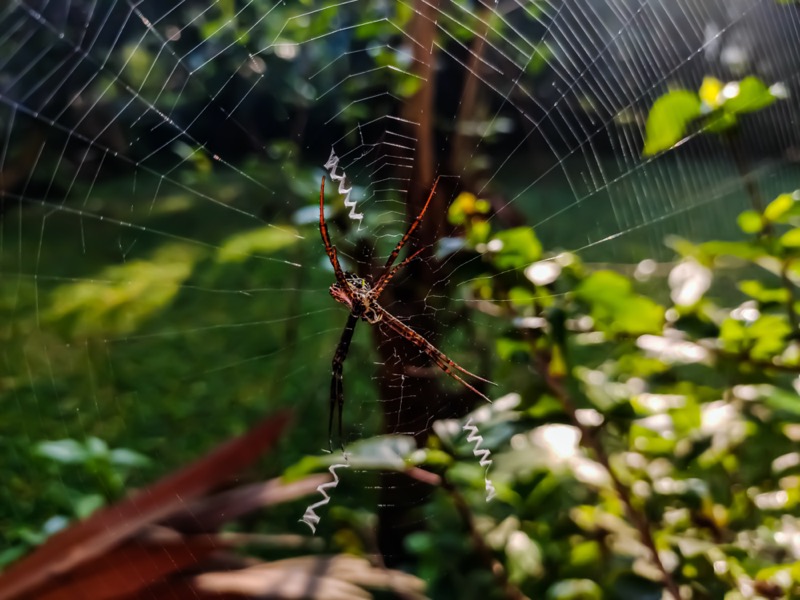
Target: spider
x,y
361,297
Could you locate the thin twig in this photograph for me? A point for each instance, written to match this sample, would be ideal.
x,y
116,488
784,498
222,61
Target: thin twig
x,y
767,231
511,591
743,166
790,289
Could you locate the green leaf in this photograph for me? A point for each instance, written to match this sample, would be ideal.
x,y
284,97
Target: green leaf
x,y
515,248
756,290
791,239
732,333
745,250
669,119
123,457
464,207
407,86
123,296
778,208
265,240
585,554
9,555
479,232
96,447
720,121
616,308
68,452
305,466
575,589
784,401
87,504
769,333
750,222
458,211
509,349
524,557
748,95
419,542
683,247
386,452
521,297
762,339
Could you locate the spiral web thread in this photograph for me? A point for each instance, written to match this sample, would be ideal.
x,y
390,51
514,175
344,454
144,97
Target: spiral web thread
x,y
310,517
474,437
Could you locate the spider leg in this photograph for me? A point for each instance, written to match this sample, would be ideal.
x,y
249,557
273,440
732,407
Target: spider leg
x,y
330,249
439,358
337,390
404,239
387,276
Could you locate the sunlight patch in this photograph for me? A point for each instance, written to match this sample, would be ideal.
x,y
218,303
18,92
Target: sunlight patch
x,y
123,296
265,240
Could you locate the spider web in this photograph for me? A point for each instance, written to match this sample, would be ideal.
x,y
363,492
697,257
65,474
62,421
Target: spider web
x,y
163,281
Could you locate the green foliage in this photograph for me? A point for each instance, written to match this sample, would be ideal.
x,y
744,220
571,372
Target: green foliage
x,y
670,400
124,296
515,248
89,473
261,241
715,107
689,401
470,213
166,350
686,389
615,308
669,119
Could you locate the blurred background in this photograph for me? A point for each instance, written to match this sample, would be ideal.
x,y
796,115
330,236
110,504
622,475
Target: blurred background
x,y
611,241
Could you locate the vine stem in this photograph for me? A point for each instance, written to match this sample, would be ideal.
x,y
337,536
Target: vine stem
x,y
510,591
790,302
757,202
590,441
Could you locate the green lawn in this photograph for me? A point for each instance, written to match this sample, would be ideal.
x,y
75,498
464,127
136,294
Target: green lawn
x,y
166,337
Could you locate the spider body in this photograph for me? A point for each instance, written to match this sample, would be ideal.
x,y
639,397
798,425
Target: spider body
x,y
360,296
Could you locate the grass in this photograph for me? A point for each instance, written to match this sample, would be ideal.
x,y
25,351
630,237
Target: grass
x,y
165,344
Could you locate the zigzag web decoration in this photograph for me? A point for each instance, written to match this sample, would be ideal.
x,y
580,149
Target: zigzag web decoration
x,y
330,165
310,517
474,437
